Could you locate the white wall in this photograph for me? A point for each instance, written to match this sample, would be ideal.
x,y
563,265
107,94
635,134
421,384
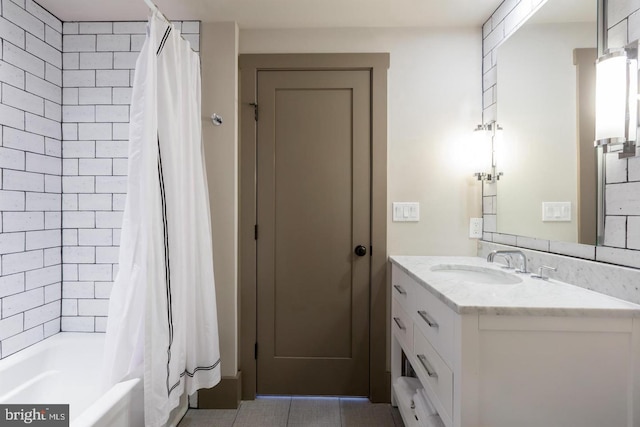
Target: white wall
x,y
434,104
220,95
30,169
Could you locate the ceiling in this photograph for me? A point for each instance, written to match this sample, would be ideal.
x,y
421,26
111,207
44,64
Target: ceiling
x,y
559,11
287,13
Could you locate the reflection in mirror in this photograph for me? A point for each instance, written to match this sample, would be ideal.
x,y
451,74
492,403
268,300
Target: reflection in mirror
x,y
546,85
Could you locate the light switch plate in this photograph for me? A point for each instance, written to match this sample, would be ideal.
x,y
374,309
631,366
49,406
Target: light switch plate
x,y
475,228
406,211
556,211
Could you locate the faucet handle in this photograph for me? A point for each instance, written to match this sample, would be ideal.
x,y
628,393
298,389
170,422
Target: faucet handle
x,y
541,272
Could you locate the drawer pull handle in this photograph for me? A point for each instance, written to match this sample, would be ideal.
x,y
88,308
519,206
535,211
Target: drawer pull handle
x,y
400,290
399,323
432,323
427,366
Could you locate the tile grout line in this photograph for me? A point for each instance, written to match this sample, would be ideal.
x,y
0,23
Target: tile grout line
x,y
236,416
289,410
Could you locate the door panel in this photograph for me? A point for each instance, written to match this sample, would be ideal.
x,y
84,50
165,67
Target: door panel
x,y
313,209
311,175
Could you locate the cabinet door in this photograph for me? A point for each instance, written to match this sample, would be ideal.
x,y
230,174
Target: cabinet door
x,y
555,371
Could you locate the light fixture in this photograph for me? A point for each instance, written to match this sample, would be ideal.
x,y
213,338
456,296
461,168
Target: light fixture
x,y
490,130
617,101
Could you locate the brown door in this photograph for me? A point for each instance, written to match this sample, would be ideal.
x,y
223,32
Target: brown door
x,y
313,209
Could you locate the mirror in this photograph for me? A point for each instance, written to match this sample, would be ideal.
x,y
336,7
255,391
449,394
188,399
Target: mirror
x,y
546,107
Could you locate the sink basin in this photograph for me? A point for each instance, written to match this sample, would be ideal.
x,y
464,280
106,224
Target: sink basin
x,y
474,274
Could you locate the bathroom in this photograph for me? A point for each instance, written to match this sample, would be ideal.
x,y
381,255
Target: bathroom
x,y
64,153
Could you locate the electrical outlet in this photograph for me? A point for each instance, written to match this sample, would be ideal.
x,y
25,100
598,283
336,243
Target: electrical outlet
x,y
475,228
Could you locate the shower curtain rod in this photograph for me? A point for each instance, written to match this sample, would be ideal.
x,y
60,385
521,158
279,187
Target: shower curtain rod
x,y
155,8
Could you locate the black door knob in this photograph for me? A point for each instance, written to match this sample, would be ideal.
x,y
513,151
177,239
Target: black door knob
x,y
360,250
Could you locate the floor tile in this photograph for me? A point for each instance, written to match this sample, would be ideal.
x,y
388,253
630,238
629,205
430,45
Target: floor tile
x,y
362,413
264,412
314,412
297,411
209,418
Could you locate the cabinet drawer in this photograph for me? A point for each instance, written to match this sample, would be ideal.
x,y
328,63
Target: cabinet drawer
x,y
400,288
434,374
434,319
402,326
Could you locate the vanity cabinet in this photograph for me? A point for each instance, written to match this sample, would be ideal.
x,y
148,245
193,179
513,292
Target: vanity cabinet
x,y
531,369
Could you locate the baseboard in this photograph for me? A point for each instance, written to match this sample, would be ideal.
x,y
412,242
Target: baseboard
x,y
381,392
225,395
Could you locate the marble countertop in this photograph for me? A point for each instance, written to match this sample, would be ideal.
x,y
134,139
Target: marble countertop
x,y
530,297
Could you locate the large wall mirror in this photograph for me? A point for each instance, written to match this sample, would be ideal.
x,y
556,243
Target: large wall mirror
x,y
546,106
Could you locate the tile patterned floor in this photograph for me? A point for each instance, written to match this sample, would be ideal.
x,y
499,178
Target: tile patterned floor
x,y
297,412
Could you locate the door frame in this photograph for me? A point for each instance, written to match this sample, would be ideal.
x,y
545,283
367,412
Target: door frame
x,y
249,65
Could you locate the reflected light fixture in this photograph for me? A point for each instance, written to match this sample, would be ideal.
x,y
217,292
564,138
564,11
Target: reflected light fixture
x,y
617,101
490,130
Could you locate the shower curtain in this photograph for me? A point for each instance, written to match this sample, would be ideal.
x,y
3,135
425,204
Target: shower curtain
x,y
162,323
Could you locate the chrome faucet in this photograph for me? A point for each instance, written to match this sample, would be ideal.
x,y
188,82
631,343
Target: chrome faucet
x,y
523,264
507,258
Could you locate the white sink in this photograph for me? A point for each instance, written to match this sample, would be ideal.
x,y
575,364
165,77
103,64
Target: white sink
x,y
474,274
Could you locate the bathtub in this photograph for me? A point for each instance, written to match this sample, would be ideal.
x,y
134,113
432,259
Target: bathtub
x,y
65,369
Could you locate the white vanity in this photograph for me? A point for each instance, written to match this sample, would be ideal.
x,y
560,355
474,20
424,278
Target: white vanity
x,y
494,348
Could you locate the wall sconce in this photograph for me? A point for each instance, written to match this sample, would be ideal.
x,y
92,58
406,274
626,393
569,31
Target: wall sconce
x,y
617,101
490,130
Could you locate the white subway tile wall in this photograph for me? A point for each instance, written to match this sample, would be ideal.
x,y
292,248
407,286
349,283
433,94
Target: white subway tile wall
x,y
504,21
623,178
65,90
98,62
30,173
622,192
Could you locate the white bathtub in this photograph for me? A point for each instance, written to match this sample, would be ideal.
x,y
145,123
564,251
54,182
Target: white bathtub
x,y
65,369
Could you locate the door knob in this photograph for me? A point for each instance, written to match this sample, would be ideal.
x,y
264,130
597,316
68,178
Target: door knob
x,y
360,250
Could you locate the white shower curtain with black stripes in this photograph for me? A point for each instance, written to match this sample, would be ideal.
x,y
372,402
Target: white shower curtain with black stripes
x,y
162,323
